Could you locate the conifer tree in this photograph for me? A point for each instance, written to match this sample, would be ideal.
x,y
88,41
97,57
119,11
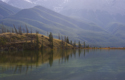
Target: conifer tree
x,y
74,44
23,30
42,43
8,30
27,31
31,38
12,30
62,42
51,40
67,40
50,37
20,30
79,44
59,36
84,44
15,29
47,34
3,28
71,42
37,40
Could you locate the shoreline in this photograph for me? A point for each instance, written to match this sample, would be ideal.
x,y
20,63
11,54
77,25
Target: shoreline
x,y
106,48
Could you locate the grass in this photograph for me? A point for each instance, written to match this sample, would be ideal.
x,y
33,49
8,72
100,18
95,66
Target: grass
x,y
17,40
44,20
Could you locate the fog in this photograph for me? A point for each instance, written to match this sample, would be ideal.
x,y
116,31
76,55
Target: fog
x,y
112,6
105,16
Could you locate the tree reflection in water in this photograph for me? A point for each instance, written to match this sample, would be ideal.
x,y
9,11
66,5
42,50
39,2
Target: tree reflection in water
x,y
23,62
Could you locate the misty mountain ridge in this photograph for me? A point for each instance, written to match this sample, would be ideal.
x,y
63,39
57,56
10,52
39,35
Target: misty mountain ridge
x,y
100,12
7,10
44,20
111,6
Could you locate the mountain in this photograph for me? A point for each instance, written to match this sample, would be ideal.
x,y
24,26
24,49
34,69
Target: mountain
x,y
117,29
9,7
30,3
101,18
44,20
20,3
7,10
111,6
101,12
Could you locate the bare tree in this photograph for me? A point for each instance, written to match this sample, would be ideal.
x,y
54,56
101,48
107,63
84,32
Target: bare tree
x,y
12,30
8,30
20,30
15,29
47,34
23,30
62,43
3,28
31,36
27,31
59,36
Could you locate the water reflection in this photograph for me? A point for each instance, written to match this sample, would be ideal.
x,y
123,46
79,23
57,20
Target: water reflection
x,y
63,65
22,62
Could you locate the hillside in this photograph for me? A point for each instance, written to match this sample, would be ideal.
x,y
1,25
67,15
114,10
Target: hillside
x,y
29,41
117,29
9,7
7,10
111,6
99,17
4,12
44,20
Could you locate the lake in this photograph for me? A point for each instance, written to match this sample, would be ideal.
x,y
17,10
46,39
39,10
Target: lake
x,y
94,64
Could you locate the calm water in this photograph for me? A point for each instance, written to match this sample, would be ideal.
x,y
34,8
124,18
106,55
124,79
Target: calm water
x,y
63,65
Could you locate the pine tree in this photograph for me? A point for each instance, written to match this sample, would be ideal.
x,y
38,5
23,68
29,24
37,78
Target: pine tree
x,y
62,43
27,31
31,38
42,44
51,40
37,40
79,44
8,30
59,36
50,37
84,45
3,28
67,40
20,30
71,42
23,30
74,44
12,30
15,29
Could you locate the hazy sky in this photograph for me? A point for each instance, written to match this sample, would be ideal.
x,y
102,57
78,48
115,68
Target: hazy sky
x,y
58,5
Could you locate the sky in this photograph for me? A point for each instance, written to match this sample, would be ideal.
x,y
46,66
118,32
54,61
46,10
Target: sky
x,y
58,5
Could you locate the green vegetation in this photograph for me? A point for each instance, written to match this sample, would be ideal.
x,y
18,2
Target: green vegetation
x,y
17,40
44,20
23,39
